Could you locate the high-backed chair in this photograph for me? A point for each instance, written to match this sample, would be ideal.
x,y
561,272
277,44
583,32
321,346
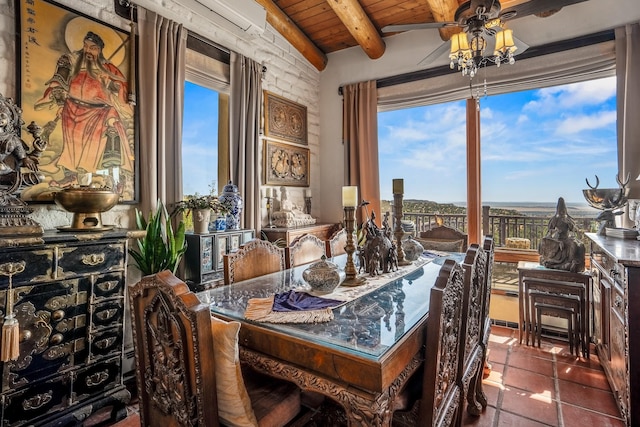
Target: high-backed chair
x,y
304,249
336,243
471,362
443,238
187,366
254,258
489,248
436,383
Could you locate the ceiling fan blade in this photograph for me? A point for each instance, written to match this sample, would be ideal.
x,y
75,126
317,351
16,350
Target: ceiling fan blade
x,y
436,54
422,26
520,45
535,7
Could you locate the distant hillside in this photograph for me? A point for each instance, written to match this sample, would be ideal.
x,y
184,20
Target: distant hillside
x,y
427,206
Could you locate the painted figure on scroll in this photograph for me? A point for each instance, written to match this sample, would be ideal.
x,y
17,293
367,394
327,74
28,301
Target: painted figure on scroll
x,y
90,94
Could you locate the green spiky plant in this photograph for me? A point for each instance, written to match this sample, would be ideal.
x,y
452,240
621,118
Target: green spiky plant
x,y
161,248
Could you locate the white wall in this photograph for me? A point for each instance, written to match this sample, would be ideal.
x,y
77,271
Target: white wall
x,y
288,74
404,51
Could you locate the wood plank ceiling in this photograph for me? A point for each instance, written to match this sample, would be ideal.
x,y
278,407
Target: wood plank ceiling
x,y
319,27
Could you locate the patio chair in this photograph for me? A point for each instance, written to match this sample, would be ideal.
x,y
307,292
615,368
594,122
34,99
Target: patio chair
x,y
443,238
187,365
254,258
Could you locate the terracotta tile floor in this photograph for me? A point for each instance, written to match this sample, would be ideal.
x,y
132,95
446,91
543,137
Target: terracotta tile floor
x,y
531,387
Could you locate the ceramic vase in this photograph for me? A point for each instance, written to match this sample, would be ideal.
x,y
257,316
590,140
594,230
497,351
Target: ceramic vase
x,y
201,219
231,198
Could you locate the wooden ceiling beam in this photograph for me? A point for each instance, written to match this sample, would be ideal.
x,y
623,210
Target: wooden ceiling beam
x,y
294,35
359,26
443,11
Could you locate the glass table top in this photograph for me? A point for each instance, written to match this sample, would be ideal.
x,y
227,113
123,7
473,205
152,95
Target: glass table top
x,y
367,326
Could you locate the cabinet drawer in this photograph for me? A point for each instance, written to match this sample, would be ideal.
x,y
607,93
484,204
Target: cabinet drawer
x,y
609,267
109,286
618,304
107,314
87,259
37,264
25,406
105,342
96,378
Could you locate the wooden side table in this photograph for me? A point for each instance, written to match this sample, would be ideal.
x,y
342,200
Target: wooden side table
x,y
322,231
537,271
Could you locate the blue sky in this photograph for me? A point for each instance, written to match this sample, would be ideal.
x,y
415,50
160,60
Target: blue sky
x,y
536,145
200,132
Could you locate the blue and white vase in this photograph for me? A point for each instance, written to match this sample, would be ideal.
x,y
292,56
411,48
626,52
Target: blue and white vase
x,y
231,198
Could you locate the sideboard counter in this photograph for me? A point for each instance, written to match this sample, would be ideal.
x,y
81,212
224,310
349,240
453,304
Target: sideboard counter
x,y
625,251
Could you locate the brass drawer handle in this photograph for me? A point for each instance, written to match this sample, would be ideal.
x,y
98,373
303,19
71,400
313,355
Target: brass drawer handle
x,y
109,285
93,259
12,268
56,339
105,343
106,314
97,378
37,401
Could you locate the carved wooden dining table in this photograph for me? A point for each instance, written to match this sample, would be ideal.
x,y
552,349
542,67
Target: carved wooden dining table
x,y
361,358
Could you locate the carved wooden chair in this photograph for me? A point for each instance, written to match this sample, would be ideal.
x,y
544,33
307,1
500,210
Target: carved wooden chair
x,y
489,248
471,362
254,258
443,238
436,382
304,249
183,369
337,243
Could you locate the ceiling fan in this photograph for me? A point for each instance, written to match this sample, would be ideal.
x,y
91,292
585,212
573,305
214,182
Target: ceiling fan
x,y
482,24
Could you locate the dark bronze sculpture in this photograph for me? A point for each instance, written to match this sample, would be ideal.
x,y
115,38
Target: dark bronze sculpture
x,y
18,169
560,249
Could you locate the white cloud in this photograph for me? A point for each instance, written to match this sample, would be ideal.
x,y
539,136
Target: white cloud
x,y
577,95
576,124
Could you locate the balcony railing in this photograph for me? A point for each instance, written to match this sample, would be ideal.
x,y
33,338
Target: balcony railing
x,y
501,227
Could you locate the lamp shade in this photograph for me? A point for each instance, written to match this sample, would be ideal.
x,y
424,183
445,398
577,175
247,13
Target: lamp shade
x,y
504,42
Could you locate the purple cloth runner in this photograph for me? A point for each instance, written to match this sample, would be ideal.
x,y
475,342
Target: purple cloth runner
x,y
301,301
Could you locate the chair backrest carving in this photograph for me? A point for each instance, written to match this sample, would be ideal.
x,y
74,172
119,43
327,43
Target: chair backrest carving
x,y
444,238
474,273
254,258
173,344
304,249
440,393
489,248
336,243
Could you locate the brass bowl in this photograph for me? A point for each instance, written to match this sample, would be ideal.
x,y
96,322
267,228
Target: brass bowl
x,y
86,203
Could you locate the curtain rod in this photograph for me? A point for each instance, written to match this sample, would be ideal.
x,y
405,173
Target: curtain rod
x,y
582,41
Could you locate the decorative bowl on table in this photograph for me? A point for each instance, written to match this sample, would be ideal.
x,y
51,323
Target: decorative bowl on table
x,y
86,204
323,276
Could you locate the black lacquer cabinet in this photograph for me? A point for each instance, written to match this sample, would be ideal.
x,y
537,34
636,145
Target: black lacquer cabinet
x,y
69,299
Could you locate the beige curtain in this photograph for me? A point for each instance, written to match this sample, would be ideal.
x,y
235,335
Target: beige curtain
x,y
628,99
161,69
360,139
244,132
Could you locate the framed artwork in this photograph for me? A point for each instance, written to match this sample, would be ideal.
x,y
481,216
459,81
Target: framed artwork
x,y
286,164
235,243
284,119
75,80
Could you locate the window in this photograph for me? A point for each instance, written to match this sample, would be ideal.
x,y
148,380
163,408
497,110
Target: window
x,y
537,145
205,131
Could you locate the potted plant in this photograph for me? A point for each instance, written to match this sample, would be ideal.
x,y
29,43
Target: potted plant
x,y
201,206
162,248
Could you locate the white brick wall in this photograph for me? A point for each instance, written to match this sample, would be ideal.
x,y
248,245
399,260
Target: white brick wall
x,y
288,74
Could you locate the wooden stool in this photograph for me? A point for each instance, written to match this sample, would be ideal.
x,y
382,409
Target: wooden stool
x,y
557,311
577,291
564,306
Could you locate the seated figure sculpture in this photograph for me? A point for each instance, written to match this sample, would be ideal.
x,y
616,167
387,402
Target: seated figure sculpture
x,y
560,249
289,214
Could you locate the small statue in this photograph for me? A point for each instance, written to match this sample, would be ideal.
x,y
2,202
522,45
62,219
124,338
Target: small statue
x,y
374,261
392,259
560,249
18,169
289,214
